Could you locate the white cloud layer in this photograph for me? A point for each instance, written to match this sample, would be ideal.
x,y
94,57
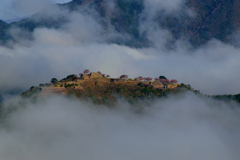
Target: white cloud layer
x,y
182,128
54,53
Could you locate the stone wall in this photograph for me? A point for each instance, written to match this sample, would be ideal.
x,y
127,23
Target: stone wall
x,y
99,79
95,75
85,75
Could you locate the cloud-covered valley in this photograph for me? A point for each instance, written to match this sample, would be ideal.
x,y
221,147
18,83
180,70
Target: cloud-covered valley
x,y
181,127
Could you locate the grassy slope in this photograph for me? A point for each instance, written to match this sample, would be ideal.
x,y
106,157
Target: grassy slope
x,y
105,92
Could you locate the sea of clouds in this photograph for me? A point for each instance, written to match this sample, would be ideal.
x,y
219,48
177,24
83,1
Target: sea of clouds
x,y
181,127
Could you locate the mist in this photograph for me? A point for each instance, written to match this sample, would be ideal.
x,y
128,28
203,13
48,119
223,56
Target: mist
x,y
58,53
84,43
184,126
181,127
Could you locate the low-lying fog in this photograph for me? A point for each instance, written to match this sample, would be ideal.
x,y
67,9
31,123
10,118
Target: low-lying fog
x,y
182,127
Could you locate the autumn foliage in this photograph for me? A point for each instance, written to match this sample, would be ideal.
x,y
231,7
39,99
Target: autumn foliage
x,y
124,76
174,81
147,78
86,71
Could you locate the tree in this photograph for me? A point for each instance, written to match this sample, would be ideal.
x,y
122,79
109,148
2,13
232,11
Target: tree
x,y
108,76
74,77
174,81
145,90
162,77
140,84
167,81
80,74
54,80
147,78
156,79
99,72
140,77
164,81
70,76
124,76
86,71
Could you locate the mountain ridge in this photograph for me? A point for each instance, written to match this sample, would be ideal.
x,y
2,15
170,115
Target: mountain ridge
x,y
214,19
100,89
103,89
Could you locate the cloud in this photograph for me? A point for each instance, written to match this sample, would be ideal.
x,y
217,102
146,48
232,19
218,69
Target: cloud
x,y
186,127
85,44
170,5
156,18
28,7
58,53
175,8
180,127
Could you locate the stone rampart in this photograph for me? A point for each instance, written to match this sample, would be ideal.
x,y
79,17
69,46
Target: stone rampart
x,y
95,75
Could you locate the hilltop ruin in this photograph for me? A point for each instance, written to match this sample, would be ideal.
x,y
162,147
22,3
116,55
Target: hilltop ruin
x,y
103,89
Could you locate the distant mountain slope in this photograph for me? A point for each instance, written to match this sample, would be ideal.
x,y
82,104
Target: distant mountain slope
x,y
3,24
214,19
3,32
43,18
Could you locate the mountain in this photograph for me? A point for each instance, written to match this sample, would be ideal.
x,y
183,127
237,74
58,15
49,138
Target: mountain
x,y
43,18
214,19
3,24
104,90
3,32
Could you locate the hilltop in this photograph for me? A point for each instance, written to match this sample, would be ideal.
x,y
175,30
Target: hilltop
x,y
102,89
